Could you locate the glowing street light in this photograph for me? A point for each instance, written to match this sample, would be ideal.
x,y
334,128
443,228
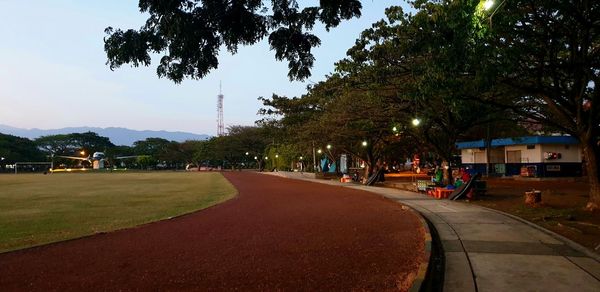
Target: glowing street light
x,y
255,158
416,122
395,129
364,143
82,152
247,153
328,146
276,155
488,4
319,151
300,157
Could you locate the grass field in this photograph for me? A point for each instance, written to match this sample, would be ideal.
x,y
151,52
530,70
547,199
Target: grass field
x,y
37,209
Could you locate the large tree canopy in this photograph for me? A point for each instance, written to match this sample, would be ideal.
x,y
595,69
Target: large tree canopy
x,y
16,149
549,53
68,144
189,33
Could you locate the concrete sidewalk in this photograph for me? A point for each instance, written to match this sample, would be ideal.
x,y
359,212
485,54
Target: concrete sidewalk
x,y
487,250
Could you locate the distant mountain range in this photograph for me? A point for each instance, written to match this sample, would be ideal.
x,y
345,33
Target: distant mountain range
x,y
118,136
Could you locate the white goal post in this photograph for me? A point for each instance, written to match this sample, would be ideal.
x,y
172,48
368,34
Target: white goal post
x,y
32,163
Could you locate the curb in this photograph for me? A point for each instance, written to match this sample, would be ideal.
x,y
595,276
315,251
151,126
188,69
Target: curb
x,y
424,265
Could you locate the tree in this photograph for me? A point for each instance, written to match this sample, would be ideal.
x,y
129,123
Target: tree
x,y
204,154
251,140
68,144
55,144
190,33
333,113
145,161
549,52
158,149
16,149
421,63
151,146
188,151
121,150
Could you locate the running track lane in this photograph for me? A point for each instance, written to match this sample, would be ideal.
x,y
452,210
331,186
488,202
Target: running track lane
x,y
278,234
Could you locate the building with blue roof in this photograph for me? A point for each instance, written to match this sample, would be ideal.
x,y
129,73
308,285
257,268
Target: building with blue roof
x,y
541,156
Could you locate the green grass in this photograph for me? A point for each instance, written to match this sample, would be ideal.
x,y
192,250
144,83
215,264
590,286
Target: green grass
x,y
37,209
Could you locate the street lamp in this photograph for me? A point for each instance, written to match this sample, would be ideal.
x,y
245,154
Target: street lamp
x,y
82,153
328,146
487,5
319,151
416,122
364,143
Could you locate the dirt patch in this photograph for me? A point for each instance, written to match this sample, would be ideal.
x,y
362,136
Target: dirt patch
x,y
562,208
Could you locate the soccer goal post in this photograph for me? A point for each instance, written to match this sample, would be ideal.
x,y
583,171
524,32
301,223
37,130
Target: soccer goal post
x,y
32,164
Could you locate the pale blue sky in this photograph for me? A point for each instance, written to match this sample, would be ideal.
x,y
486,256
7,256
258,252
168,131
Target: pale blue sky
x,y
53,72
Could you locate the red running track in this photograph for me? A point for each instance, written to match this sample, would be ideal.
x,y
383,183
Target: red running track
x,y
277,234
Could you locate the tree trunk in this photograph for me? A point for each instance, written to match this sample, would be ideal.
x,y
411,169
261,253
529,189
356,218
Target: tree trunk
x,y
369,165
591,159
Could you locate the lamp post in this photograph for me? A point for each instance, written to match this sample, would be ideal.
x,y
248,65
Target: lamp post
x,y
314,157
489,4
318,166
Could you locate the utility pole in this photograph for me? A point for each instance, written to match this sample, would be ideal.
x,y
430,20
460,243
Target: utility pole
x,y
314,157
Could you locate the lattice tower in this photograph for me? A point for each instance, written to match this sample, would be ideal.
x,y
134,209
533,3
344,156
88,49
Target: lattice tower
x,y
220,126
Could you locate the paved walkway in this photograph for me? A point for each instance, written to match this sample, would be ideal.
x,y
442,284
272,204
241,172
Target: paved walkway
x,y
486,250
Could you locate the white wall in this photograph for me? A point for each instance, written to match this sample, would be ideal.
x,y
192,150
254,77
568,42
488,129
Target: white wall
x,y
528,155
536,155
468,155
572,154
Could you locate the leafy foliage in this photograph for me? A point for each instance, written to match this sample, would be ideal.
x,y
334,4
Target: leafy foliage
x,y
189,33
69,144
16,149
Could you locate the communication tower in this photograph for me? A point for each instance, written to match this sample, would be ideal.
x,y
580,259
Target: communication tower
x,y
220,127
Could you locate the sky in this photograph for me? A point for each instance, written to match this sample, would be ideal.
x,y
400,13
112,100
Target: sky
x,y
53,72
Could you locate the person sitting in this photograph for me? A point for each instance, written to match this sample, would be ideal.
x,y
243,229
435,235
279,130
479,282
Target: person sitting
x,y
438,176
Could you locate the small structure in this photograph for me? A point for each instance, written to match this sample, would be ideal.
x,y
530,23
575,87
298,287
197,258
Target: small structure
x,y
539,156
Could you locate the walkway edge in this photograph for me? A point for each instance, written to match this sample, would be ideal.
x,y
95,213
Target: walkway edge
x,y
424,265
